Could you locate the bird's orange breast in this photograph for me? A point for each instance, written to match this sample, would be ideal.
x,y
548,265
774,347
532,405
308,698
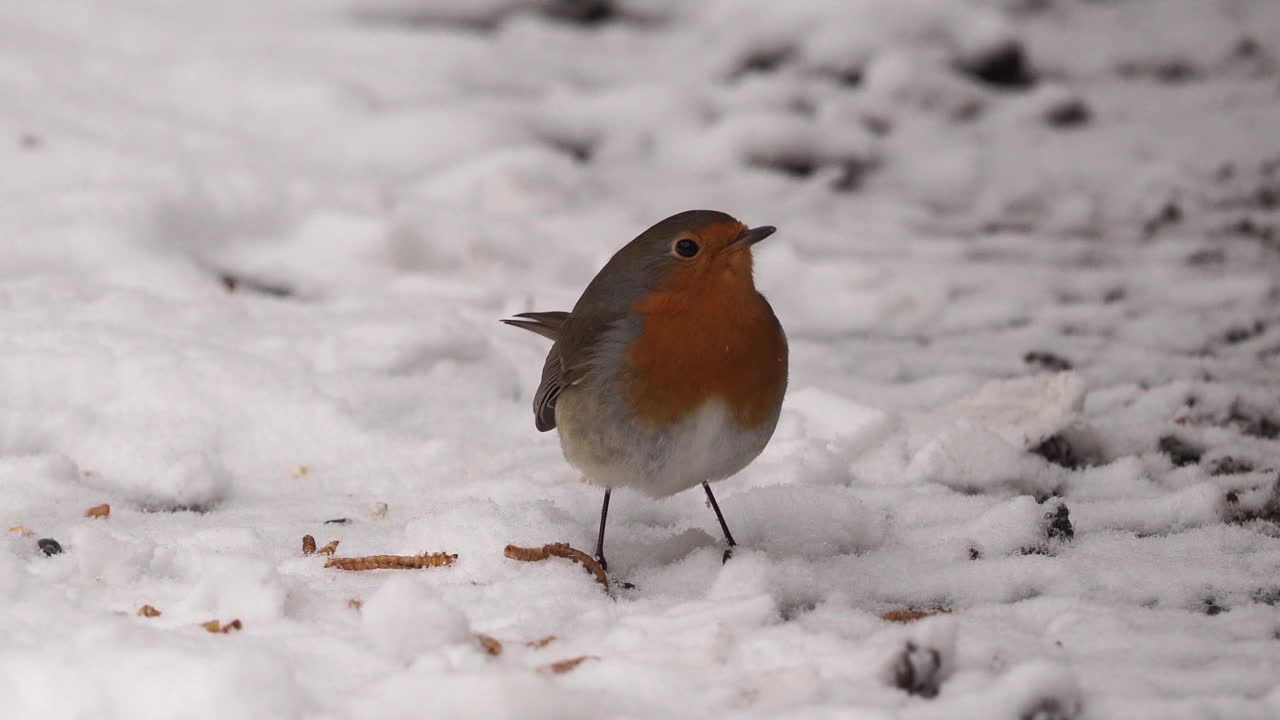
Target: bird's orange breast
x,y
721,342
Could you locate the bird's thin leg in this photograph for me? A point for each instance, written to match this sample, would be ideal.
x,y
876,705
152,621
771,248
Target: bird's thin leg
x,y
728,536
604,515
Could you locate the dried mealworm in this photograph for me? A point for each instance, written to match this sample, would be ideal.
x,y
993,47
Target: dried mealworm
x,y
308,545
98,511
561,550
541,642
329,549
490,644
148,611
392,562
906,616
563,666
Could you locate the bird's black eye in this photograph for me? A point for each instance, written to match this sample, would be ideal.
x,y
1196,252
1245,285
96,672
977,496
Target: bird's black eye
x,y
686,248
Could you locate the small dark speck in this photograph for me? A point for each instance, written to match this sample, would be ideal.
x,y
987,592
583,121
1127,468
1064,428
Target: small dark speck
x,y
1068,114
337,521
49,546
1180,452
974,554
1230,466
1047,360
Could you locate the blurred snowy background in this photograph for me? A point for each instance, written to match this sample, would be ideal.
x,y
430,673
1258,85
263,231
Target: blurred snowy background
x,y
253,256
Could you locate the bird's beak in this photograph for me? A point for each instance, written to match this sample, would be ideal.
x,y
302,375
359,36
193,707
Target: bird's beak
x,y
750,237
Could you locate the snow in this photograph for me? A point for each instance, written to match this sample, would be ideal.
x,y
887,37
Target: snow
x,y
253,257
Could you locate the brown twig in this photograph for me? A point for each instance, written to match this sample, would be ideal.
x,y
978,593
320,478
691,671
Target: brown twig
x,y
561,550
99,511
148,611
308,545
392,562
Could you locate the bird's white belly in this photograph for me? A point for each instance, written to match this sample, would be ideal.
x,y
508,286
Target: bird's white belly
x,y
705,446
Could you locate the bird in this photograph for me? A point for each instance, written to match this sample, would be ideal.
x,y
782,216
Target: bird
x,y
671,369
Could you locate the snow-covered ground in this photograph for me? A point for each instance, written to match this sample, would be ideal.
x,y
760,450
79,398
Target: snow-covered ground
x,y
253,256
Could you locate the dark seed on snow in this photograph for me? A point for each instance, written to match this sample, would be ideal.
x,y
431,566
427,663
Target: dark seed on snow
x,y
49,546
1059,527
1228,465
1047,360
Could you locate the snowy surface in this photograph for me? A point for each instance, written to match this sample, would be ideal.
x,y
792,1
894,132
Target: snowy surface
x,y
1028,259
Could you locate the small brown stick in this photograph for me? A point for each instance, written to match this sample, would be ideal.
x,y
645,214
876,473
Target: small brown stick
x,y
98,511
906,616
308,545
148,611
561,550
329,549
491,645
392,562
561,667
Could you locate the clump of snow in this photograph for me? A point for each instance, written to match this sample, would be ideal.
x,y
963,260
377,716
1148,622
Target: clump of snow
x,y
404,620
254,255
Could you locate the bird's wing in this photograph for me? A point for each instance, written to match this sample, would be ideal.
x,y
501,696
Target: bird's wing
x,y
555,375
570,359
544,400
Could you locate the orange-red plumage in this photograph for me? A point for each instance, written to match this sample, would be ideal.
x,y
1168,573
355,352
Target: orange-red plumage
x,y
708,334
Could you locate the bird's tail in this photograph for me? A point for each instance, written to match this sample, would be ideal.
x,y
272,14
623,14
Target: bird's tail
x,y
546,324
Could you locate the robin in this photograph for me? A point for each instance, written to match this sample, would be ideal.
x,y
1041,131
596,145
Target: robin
x,y
671,368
